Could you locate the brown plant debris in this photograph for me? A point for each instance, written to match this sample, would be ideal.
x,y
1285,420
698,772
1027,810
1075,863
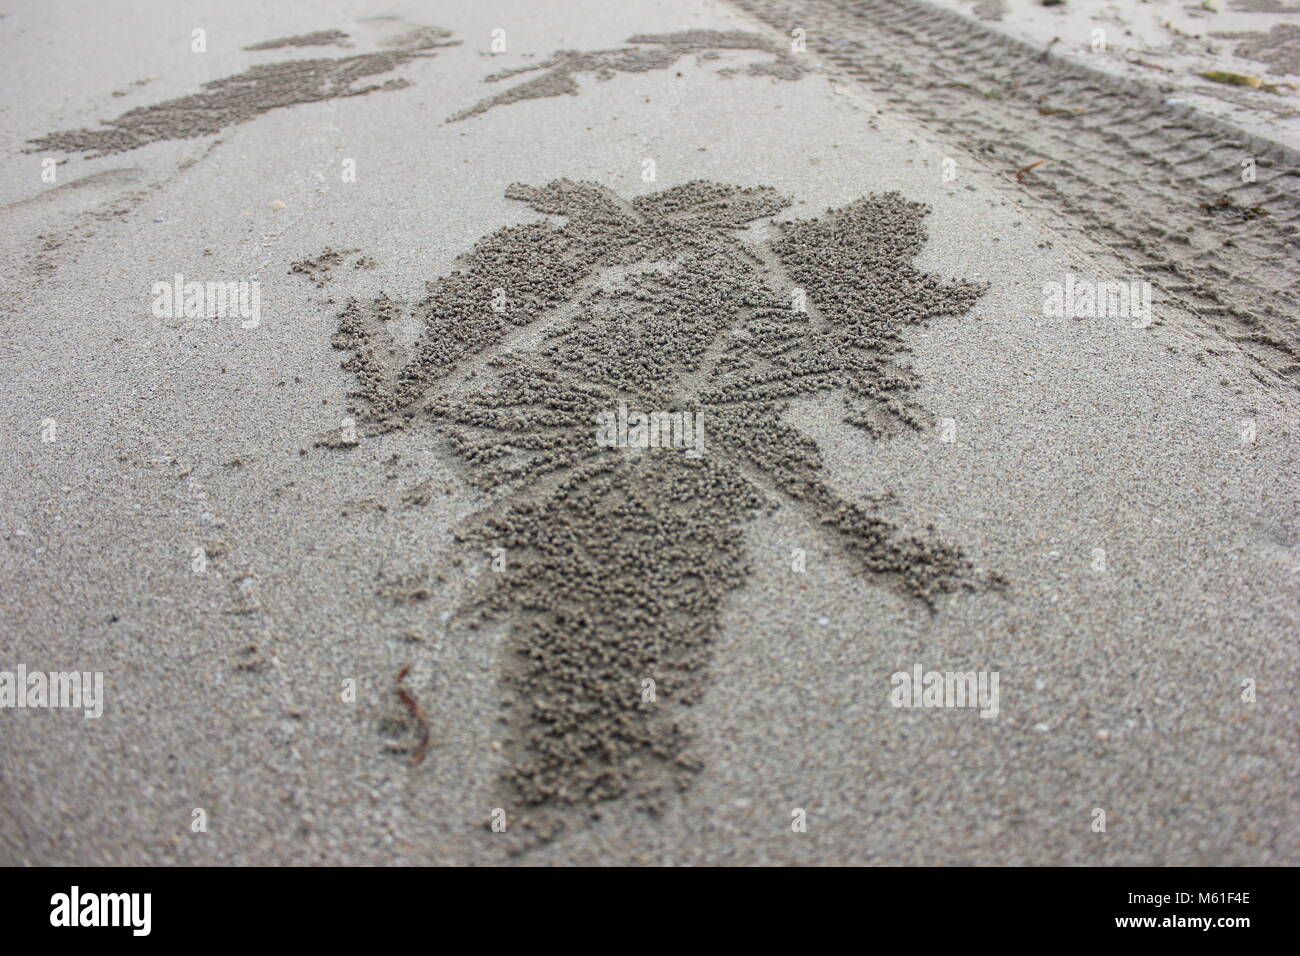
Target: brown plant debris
x,y
417,713
1020,173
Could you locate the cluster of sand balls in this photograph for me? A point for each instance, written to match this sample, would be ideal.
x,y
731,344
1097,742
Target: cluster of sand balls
x,y
558,74
619,567
237,99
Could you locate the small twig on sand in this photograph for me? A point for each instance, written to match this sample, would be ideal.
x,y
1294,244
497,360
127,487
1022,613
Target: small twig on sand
x,y
417,712
1020,175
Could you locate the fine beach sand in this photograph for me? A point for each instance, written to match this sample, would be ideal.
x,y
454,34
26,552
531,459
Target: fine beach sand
x,y
336,551
1170,45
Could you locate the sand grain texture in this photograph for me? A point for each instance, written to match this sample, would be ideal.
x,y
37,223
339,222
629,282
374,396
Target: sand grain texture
x,y
917,466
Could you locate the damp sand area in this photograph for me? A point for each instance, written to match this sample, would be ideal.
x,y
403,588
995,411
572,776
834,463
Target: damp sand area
x,y
986,518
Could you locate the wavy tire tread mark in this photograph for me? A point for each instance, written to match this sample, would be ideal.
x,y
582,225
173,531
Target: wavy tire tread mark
x,y
1140,176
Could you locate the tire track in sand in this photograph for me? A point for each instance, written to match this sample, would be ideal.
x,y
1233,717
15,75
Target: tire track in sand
x,y
1146,179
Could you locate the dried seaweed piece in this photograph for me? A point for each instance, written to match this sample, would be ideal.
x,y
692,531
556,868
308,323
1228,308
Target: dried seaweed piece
x,y
1020,173
417,712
